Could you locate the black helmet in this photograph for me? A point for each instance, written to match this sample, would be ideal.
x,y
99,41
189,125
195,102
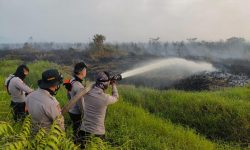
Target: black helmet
x,y
50,78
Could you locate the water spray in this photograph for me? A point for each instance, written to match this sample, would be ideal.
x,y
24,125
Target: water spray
x,y
171,62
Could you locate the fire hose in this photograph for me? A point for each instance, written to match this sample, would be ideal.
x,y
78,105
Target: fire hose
x,y
74,99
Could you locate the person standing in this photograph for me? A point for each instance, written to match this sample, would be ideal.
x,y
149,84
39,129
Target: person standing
x,y
96,102
17,89
74,87
42,105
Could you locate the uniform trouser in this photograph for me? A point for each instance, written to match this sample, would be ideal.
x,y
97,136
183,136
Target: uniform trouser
x,y
85,136
18,110
77,121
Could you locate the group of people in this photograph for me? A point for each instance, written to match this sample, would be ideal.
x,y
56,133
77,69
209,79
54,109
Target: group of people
x,y
87,114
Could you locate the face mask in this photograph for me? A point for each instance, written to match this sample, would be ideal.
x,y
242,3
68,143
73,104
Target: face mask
x,y
53,93
105,86
58,87
50,92
78,79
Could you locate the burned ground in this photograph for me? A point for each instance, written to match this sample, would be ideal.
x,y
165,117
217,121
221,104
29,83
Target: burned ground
x,y
120,62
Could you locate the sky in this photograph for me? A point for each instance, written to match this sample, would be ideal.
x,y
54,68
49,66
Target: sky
x,y
123,20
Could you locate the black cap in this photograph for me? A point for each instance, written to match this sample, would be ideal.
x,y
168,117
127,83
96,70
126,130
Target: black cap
x,y
50,78
79,67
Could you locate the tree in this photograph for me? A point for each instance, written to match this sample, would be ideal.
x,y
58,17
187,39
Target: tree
x,y
236,40
98,41
192,40
27,46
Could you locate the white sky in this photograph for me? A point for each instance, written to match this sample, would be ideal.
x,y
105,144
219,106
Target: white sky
x,y
123,20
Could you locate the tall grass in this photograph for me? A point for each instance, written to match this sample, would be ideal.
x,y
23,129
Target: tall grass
x,y
235,94
216,115
134,128
128,127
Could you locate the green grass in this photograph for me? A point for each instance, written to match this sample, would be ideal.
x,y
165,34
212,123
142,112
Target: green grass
x,y
8,66
148,125
5,112
236,94
135,128
216,115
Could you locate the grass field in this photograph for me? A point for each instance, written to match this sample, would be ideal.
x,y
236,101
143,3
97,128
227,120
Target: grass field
x,y
221,115
144,118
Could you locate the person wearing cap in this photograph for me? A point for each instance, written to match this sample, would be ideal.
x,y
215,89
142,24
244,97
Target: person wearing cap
x,y
17,89
76,112
96,102
42,105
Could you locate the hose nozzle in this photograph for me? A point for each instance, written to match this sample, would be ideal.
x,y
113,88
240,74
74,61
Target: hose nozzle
x,y
117,77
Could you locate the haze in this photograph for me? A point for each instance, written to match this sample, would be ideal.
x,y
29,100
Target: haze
x,y
122,20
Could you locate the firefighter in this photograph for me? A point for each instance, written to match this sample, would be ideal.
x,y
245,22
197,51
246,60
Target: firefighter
x,y
96,102
17,89
74,86
42,105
